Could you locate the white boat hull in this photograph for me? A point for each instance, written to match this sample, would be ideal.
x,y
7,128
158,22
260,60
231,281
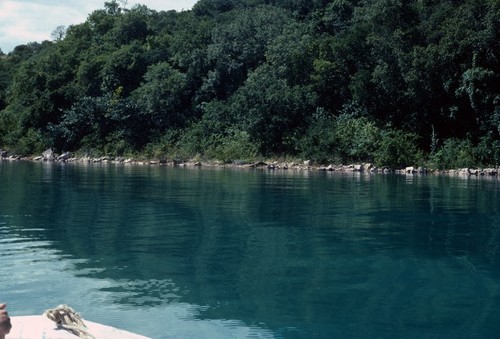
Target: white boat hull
x,y
39,326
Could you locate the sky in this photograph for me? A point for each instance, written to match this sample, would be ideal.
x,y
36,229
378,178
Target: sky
x,y
24,21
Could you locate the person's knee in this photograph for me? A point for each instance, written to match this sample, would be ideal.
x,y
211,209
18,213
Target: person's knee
x,y
5,324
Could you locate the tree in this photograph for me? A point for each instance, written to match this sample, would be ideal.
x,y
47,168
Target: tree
x,y
113,7
58,33
214,7
291,54
273,113
163,98
123,68
132,25
240,46
40,86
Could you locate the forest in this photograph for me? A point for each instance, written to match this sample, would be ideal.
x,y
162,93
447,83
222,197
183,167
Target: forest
x,y
393,82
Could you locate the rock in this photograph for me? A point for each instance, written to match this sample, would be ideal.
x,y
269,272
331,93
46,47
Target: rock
x,y
260,164
38,158
473,171
48,155
410,170
63,157
490,171
358,168
3,154
197,164
307,163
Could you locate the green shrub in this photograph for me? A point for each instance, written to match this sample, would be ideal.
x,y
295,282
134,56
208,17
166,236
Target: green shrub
x,y
117,148
235,145
340,139
487,151
397,149
32,142
357,138
188,142
454,153
319,142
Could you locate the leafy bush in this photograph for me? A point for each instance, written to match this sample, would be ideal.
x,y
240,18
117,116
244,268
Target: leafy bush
x,y
487,151
357,138
236,145
397,149
340,139
32,142
318,144
454,153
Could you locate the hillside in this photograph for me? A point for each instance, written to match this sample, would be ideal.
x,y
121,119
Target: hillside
x,y
392,82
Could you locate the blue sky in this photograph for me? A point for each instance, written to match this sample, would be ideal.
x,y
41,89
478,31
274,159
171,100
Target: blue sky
x,y
23,21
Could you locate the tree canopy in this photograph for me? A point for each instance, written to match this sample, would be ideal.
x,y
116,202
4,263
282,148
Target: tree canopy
x,y
327,80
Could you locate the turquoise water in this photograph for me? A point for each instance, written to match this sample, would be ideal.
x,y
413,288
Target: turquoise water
x,y
190,253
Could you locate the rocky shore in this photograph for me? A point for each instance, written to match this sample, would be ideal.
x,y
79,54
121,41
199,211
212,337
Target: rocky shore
x,y
306,165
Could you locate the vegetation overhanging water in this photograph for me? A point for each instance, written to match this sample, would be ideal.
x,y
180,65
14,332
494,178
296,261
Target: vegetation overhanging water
x,y
396,83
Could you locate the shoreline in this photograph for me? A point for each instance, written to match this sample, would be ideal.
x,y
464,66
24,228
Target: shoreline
x,y
306,165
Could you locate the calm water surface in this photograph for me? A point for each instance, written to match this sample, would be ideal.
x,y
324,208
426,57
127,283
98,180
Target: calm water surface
x,y
188,253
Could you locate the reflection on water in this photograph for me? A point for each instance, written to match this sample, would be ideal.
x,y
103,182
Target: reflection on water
x,y
183,253
35,277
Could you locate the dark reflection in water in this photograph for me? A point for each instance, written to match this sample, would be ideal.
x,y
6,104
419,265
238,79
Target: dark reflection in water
x,y
225,253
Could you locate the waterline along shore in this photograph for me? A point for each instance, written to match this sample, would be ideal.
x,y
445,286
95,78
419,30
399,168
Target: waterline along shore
x,y
305,165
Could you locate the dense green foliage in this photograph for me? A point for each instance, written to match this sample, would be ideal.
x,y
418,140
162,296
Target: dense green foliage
x,y
390,81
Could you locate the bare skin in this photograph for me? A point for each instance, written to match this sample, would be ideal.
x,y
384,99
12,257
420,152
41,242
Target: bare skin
x,y
5,324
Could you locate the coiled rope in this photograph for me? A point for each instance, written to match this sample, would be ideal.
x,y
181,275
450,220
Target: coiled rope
x,y
68,319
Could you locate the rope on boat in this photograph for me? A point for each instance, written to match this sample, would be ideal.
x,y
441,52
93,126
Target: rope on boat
x,y
68,319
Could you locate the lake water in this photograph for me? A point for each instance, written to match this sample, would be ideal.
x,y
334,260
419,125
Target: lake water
x,y
205,253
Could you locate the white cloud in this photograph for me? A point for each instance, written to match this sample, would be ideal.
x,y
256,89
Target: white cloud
x,y
24,21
